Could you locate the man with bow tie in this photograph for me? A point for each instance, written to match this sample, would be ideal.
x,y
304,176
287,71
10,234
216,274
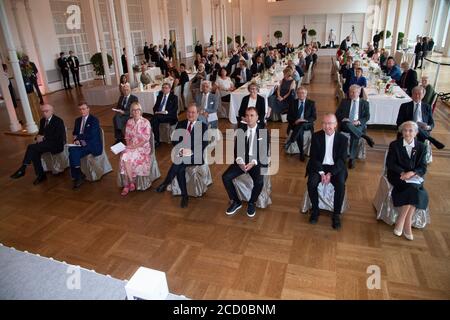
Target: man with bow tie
x,y
74,65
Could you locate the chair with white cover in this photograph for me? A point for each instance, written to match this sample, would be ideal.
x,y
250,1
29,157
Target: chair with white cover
x,y
198,178
244,187
224,107
385,207
293,147
326,199
96,167
361,149
56,163
144,182
308,76
165,132
181,106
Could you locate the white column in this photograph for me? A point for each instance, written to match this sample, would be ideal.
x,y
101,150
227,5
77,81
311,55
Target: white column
x,y
30,125
127,36
222,23
213,23
216,22
101,38
385,23
114,34
398,7
240,22
408,20
14,124
233,32
23,44
225,27
446,52
433,17
341,32
42,74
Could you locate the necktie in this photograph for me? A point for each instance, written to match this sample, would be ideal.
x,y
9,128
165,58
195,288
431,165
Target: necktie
x,y
416,112
353,111
83,123
46,123
244,78
404,80
163,103
300,111
124,102
190,127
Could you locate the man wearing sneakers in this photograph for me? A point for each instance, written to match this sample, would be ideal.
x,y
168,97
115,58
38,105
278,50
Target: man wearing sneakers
x,y
251,156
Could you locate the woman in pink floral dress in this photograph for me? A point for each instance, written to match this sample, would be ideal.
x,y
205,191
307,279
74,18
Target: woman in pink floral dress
x,y
135,160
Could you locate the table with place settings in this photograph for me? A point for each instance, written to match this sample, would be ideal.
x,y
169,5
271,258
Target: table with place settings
x,y
384,107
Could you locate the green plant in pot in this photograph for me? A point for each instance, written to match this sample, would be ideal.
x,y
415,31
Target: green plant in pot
x,y
278,35
312,33
401,37
238,39
97,63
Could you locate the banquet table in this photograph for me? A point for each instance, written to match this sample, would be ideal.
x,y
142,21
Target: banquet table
x,y
265,91
383,107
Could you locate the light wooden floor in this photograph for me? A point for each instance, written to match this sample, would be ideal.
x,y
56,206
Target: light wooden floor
x,y
207,255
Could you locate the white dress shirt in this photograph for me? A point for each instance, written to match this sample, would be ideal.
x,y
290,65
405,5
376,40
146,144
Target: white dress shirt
x,y
329,142
251,132
408,147
252,102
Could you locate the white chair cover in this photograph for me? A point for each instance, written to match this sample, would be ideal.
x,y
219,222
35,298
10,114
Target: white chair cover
x,y
293,148
244,186
326,199
361,149
96,167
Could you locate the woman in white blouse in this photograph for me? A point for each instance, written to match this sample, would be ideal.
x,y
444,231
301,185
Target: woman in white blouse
x,y
224,84
253,100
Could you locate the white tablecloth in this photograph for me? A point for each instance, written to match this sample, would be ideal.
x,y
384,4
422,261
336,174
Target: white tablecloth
x,y
384,108
147,98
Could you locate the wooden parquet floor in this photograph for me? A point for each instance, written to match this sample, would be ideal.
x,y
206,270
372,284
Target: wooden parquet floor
x,y
207,255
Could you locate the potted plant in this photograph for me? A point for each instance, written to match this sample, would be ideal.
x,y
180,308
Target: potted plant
x,y
238,39
278,35
97,63
400,38
229,40
381,34
312,33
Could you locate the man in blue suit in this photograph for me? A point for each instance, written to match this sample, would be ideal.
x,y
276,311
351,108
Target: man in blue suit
x,y
87,137
392,69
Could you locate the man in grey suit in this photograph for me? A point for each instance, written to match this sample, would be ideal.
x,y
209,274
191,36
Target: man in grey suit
x,y
352,115
123,112
207,103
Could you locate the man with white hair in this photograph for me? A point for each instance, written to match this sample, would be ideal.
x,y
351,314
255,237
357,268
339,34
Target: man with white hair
x,y
51,138
123,112
207,103
421,113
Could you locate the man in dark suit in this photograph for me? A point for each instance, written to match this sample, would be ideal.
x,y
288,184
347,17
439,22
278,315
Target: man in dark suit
x,y
146,52
123,59
417,52
64,68
233,61
353,115
327,165
251,156
376,40
257,67
304,34
344,44
420,113
74,65
269,60
408,79
51,138
33,76
165,48
188,139
123,112
301,117
198,48
164,111
241,74
88,138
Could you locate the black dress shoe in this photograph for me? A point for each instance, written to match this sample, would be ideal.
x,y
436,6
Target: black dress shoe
x,y
80,85
162,187
77,183
314,218
234,207
19,173
369,140
157,144
336,221
251,210
39,179
302,157
351,164
69,88
436,143
184,201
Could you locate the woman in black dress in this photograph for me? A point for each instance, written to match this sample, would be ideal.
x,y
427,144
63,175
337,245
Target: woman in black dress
x,y
253,100
406,163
